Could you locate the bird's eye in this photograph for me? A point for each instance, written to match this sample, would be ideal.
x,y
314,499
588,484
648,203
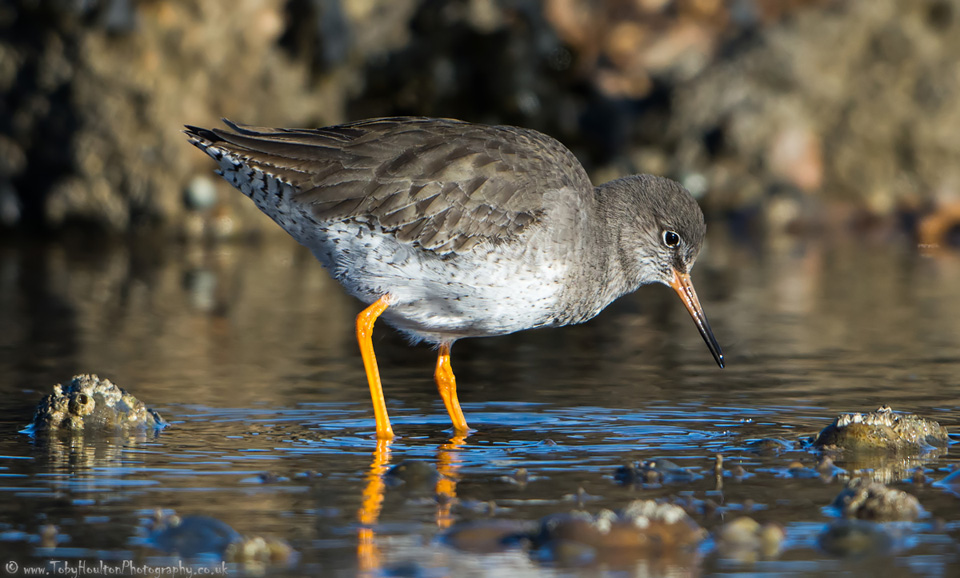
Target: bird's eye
x,y
671,239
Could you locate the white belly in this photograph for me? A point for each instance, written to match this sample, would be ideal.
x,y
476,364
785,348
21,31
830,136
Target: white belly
x,y
477,294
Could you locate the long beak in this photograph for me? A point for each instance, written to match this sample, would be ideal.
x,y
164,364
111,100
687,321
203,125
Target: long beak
x,y
682,284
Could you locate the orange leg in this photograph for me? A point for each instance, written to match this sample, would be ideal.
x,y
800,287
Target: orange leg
x,y
364,336
448,463
368,555
447,384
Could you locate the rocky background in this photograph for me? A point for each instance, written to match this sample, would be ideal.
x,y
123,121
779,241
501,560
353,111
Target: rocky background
x,y
798,115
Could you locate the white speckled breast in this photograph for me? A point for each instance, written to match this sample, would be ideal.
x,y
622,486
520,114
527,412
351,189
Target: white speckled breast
x,y
438,299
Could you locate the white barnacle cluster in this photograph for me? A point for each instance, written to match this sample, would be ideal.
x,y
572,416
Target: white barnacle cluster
x,y
884,416
641,522
604,521
642,512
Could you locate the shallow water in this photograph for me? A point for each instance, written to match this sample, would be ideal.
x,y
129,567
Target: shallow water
x,y
248,350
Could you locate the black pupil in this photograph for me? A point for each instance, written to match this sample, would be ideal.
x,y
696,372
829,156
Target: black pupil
x,y
671,239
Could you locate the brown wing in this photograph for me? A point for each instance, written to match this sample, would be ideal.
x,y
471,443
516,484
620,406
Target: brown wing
x,y
445,185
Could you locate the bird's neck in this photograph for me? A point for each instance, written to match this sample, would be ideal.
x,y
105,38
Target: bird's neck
x,y
610,271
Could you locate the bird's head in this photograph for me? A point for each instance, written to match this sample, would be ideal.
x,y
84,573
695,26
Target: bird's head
x,y
661,237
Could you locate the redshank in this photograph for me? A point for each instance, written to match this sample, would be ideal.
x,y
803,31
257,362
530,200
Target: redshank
x,y
449,229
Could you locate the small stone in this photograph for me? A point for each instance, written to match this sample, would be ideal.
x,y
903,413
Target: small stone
x,y
746,540
487,536
654,472
48,536
270,478
869,500
826,465
769,446
771,539
412,473
849,538
259,551
919,477
519,478
739,532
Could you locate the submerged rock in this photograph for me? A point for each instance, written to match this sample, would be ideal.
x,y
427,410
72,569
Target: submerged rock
x,y
259,551
491,535
654,472
519,478
413,474
870,500
883,430
643,528
855,538
49,536
747,540
769,446
89,404
192,536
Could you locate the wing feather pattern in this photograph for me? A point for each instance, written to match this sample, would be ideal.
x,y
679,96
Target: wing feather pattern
x,y
444,185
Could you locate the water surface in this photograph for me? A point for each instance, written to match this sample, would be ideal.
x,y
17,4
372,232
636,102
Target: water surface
x,y
248,350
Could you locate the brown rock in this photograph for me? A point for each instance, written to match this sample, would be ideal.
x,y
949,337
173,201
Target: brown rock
x,y
870,500
882,430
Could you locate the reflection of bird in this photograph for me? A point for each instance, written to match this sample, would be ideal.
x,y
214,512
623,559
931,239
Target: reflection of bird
x,y
452,230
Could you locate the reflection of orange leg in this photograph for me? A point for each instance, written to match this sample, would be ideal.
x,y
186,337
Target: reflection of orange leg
x,y
447,466
447,384
364,336
368,556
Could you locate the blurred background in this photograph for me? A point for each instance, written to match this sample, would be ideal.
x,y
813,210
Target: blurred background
x,y
785,115
821,137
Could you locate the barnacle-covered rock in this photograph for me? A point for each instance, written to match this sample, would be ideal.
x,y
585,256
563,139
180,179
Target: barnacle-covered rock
x,y
643,528
747,540
869,500
89,404
882,430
